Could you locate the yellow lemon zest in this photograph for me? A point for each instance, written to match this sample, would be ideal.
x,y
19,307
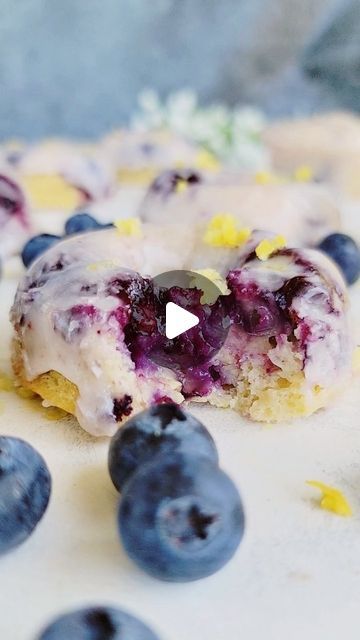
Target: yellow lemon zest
x,y
267,177
181,186
223,232
332,499
356,360
6,383
266,247
215,277
53,413
102,264
207,161
128,227
304,173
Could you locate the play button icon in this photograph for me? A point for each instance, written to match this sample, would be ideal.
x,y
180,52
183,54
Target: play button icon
x,y
178,320
185,322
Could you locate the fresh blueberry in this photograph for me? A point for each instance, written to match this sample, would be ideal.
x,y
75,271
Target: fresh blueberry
x,y
180,518
162,428
81,222
25,486
345,252
36,246
97,623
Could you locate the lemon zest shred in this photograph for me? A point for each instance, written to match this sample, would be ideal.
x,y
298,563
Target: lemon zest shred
x,y
267,177
332,499
181,186
222,231
266,247
304,173
128,227
207,161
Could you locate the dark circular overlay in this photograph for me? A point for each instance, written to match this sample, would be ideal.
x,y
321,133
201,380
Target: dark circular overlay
x,y
200,296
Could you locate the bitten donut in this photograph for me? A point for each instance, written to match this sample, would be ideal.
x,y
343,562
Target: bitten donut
x,y
88,315
304,212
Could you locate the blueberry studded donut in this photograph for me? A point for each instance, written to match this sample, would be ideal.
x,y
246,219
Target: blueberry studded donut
x,y
305,213
89,316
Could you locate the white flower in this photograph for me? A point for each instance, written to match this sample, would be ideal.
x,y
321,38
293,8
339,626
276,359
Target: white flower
x,y
232,135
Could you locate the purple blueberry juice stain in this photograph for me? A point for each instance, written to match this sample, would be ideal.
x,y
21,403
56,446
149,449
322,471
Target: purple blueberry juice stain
x,y
166,183
72,323
159,398
291,289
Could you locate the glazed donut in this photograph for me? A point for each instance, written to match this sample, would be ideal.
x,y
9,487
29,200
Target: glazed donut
x,y
88,315
60,175
328,143
304,213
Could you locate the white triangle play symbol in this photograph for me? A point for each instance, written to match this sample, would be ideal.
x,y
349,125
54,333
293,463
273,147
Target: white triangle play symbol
x,y
178,320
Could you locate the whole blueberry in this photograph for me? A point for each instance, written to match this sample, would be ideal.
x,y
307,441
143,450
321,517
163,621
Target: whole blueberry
x,y
97,623
162,428
345,252
25,486
81,222
180,518
36,246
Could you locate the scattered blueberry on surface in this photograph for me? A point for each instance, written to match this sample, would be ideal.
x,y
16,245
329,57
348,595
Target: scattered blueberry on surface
x,y
36,246
345,252
161,429
25,486
180,517
97,623
81,222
